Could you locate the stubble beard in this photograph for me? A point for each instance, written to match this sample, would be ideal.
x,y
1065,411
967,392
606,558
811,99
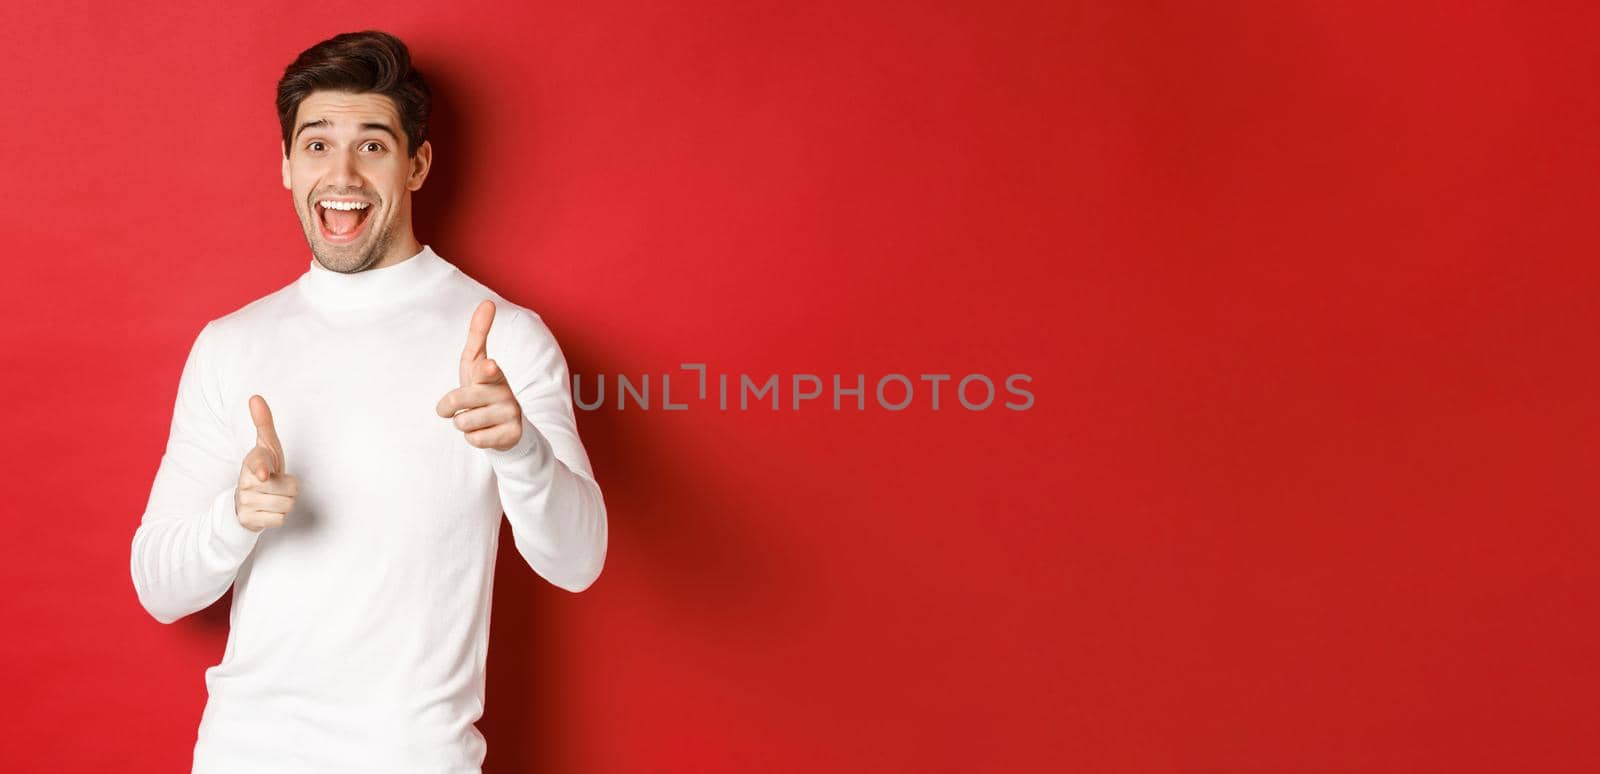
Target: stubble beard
x,y
344,262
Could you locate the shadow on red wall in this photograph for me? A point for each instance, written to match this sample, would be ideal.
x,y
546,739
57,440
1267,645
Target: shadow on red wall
x,y
672,528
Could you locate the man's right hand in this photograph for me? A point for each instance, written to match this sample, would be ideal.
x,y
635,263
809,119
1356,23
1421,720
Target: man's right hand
x,y
266,493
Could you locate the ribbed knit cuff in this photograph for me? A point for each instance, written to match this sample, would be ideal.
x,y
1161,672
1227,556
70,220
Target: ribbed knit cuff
x,y
531,439
235,538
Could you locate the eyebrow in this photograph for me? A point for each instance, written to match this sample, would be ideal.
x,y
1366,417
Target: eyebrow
x,y
323,123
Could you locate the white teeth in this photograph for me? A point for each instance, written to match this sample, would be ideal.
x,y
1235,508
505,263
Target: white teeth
x,y
344,205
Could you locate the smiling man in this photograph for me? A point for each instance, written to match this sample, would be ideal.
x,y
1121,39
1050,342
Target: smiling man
x,y
362,572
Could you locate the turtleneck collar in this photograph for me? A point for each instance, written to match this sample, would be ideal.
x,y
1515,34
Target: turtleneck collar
x,y
374,287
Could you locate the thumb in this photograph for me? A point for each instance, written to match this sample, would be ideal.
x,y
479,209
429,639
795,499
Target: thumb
x,y
266,433
486,371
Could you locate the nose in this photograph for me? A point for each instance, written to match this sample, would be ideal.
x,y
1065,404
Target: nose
x,y
343,171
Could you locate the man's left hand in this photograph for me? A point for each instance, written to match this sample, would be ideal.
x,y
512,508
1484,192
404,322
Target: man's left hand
x,y
483,407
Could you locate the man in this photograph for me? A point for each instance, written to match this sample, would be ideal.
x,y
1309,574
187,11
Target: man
x,y
361,579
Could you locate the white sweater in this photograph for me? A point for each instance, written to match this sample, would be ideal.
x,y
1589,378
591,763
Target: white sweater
x,y
359,629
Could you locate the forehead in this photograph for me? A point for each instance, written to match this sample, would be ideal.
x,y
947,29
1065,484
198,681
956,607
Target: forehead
x,y
346,110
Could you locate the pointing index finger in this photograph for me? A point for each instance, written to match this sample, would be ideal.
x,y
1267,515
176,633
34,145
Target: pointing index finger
x,y
266,432
478,331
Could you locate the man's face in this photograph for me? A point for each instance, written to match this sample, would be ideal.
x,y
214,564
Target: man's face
x,y
351,179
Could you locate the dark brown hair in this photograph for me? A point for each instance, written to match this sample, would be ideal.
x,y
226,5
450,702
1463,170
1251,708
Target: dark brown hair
x,y
357,62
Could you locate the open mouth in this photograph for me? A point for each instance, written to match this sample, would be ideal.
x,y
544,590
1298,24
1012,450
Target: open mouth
x,y
342,220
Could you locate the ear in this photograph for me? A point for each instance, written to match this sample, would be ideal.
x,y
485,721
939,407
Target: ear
x,y
420,164
285,147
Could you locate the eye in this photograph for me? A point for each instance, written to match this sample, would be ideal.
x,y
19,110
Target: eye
x,y
373,144
314,145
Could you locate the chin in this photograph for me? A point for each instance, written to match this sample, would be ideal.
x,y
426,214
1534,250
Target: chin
x,y
346,258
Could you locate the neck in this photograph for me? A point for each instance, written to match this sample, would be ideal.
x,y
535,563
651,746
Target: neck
x,y
399,251
379,287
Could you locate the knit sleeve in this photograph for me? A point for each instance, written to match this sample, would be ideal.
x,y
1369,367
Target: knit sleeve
x,y
189,544
546,486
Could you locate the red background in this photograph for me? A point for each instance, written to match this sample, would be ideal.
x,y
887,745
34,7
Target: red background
x,y
1308,296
